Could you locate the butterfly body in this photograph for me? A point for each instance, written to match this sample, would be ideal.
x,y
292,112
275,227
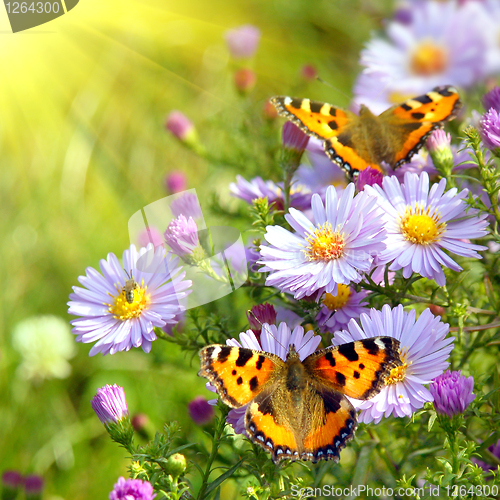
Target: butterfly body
x,y
356,142
298,409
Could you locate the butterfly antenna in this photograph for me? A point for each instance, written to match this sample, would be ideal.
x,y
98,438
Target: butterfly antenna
x,y
308,340
251,313
328,84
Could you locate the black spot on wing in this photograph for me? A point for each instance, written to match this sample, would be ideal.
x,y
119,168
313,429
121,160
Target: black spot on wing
x,y
254,383
223,354
329,357
244,356
265,405
239,380
333,111
348,351
443,90
316,106
296,103
346,140
417,115
340,378
424,99
406,107
370,346
331,400
361,366
356,374
234,372
260,362
333,125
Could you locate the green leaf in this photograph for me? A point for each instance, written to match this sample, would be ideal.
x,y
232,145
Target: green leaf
x,y
214,484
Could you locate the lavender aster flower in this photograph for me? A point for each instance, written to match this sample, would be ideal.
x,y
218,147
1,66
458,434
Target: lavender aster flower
x,y
489,128
347,232
276,340
339,309
442,42
421,223
110,404
243,41
182,236
106,313
300,195
452,393
132,489
424,351
492,99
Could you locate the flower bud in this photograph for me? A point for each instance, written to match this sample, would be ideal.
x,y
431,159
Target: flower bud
x,y
175,182
11,483
242,42
176,465
452,393
245,80
200,410
33,487
368,177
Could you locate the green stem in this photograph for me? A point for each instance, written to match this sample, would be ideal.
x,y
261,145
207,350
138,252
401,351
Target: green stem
x,y
215,449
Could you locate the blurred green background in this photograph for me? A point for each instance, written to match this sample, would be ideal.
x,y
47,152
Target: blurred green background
x,y
83,101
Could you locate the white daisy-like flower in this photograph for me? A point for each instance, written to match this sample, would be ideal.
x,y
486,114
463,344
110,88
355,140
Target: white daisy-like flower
x,y
422,223
441,43
424,350
336,248
121,314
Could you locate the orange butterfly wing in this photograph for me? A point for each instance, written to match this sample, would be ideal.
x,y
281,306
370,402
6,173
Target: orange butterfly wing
x,y
331,429
357,142
238,374
318,119
410,123
357,369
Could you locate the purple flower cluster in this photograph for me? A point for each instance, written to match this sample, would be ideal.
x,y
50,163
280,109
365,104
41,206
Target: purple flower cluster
x,y
132,489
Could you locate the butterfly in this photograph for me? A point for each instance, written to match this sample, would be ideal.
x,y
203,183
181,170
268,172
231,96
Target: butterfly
x,y
298,409
357,142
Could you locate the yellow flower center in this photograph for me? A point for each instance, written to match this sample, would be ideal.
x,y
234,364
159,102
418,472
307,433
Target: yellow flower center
x,y
325,244
419,227
123,310
428,59
335,302
399,372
